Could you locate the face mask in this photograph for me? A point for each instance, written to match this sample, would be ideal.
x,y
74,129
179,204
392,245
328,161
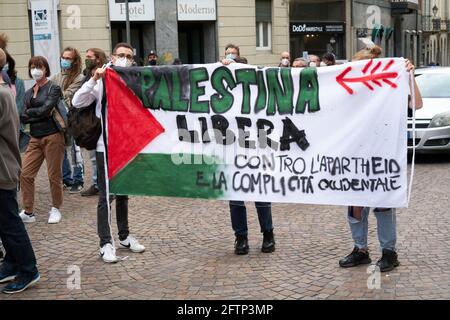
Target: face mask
x,y
37,74
122,62
285,62
323,64
312,64
6,67
66,64
152,62
231,56
90,63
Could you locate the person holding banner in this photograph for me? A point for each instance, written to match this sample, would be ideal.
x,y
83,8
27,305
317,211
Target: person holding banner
x,y
232,52
386,219
92,91
238,211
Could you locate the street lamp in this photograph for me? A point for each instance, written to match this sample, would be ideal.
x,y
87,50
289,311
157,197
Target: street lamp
x,y
435,10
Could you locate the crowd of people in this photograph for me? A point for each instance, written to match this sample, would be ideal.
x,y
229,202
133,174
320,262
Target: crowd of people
x,y
80,88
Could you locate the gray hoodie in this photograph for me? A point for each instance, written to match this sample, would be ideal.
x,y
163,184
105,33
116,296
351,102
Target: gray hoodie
x,y
10,161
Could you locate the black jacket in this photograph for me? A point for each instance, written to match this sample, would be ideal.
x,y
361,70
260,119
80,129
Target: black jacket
x,y
38,110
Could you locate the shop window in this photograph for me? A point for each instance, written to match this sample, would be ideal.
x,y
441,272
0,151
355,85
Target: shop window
x,y
263,24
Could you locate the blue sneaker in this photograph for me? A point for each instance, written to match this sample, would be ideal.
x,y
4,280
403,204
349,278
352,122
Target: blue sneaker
x,y
6,276
21,284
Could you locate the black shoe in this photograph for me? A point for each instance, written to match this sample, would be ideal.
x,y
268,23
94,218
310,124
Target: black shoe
x,y
92,191
241,245
76,188
67,185
1,254
355,258
21,284
388,261
268,244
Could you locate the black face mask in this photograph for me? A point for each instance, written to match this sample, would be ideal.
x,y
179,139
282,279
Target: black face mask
x,y
152,62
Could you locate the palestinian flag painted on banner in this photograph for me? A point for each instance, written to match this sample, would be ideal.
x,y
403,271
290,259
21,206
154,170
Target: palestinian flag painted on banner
x,y
334,135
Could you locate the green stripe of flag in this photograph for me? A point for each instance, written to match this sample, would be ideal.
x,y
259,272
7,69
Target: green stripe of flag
x,y
157,175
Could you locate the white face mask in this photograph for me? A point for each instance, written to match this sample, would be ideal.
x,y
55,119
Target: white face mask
x,y
122,62
312,64
37,74
285,62
323,64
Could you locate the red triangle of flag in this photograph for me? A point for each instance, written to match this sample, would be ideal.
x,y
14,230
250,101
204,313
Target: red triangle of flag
x,y
131,127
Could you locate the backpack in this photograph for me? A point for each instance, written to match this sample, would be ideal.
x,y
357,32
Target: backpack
x,y
84,126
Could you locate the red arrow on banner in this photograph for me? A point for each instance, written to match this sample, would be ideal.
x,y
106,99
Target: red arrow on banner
x,y
373,77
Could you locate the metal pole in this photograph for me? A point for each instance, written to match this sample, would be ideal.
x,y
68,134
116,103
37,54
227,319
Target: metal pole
x,y
127,13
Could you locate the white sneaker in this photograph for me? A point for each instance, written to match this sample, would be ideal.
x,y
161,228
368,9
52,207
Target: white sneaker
x,y
55,216
131,243
108,253
27,218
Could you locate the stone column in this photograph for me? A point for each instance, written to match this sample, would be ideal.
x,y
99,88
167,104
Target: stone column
x,y
166,30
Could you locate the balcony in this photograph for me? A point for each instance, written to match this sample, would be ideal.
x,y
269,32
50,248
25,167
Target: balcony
x,y
431,24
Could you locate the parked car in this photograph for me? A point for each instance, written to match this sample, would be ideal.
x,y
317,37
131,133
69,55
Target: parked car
x,y
433,120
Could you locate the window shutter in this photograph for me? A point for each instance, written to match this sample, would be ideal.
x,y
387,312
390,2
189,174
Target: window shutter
x,y
263,10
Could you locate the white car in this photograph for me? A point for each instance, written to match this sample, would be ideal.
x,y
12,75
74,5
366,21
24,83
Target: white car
x,y
433,120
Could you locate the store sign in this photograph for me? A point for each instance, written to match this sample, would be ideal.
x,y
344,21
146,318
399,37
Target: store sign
x,y
139,10
44,14
197,10
317,28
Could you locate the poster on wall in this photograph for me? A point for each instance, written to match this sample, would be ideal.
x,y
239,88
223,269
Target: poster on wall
x,y
44,15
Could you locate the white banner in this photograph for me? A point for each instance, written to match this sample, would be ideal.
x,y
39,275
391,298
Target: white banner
x,y
44,14
333,135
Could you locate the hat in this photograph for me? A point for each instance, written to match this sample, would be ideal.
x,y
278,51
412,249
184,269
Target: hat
x,y
152,53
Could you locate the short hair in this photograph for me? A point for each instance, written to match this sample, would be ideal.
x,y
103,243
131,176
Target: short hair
x,y
299,59
329,57
314,55
241,60
39,62
122,45
233,46
2,58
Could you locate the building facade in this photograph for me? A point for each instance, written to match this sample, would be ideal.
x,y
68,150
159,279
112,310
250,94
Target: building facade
x,y
196,31
436,30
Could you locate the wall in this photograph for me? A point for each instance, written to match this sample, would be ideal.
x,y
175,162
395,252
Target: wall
x,y
237,24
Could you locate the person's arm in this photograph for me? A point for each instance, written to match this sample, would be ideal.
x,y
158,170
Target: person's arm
x,y
20,95
418,97
72,89
87,93
43,111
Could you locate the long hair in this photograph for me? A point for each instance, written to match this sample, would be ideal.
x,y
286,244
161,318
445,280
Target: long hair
x,y
100,55
75,71
368,53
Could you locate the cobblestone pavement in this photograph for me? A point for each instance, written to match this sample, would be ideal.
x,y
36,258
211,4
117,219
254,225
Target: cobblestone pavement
x,y
190,250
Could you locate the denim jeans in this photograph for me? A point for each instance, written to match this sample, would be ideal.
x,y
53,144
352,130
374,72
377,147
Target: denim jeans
x,y
386,228
19,252
77,164
103,217
238,213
